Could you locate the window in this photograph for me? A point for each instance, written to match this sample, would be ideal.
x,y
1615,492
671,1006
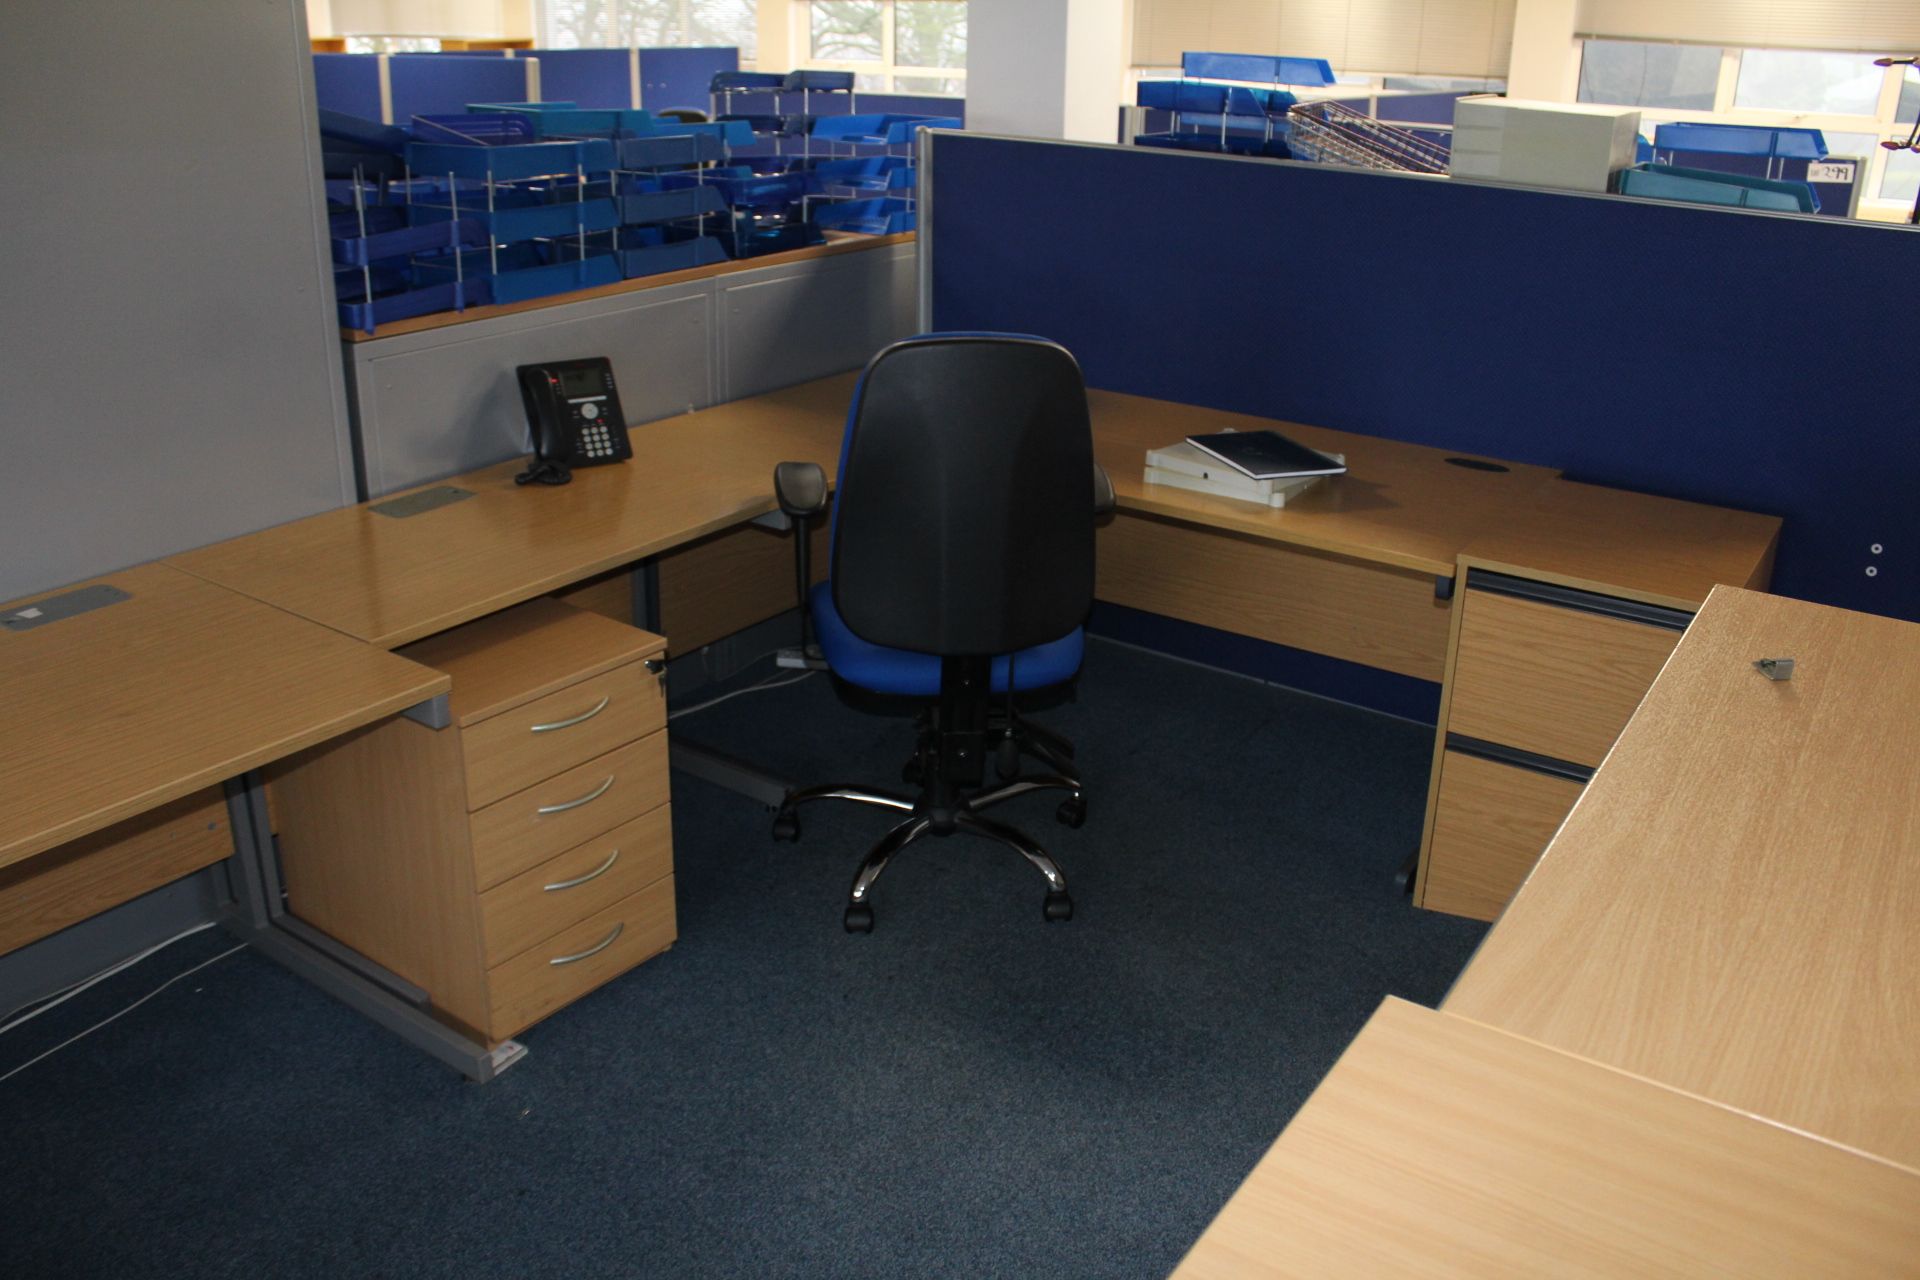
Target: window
x,y
655,24
902,46
393,44
1900,179
1442,84
1800,80
1626,73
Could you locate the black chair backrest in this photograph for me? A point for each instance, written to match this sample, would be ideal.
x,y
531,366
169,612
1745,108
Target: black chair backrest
x,y
963,516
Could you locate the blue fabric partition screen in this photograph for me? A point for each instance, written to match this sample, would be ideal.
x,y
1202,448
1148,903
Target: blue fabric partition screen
x,y
593,78
443,84
348,83
679,77
1746,359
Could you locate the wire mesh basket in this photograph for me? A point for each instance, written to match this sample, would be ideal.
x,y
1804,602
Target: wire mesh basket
x,y
1334,133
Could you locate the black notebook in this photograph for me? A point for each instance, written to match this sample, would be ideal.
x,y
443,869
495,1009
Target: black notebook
x,y
1267,455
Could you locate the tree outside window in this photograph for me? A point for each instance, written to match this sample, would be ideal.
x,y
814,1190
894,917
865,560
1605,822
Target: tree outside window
x,y
655,24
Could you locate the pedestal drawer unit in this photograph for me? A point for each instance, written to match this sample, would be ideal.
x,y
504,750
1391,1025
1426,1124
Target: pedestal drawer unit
x,y
516,858
1541,680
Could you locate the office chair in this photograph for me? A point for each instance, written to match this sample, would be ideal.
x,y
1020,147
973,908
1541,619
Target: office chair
x,y
961,568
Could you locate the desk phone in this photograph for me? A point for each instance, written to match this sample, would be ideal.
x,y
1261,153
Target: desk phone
x,y
574,416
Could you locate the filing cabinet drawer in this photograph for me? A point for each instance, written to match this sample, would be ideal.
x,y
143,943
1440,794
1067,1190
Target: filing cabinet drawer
x,y
538,739
1491,823
576,960
514,835
1548,678
580,882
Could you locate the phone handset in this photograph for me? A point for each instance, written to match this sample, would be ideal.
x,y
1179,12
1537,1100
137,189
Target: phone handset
x,y
574,417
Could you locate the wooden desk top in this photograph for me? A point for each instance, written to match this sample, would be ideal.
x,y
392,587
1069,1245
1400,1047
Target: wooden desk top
x,y
392,581
1732,906
1440,1147
1658,550
1399,504
109,713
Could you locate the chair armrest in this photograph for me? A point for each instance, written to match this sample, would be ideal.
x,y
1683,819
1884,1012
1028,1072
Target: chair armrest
x,y
1103,499
801,488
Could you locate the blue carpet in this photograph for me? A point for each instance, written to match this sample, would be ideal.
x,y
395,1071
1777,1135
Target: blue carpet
x,y
966,1092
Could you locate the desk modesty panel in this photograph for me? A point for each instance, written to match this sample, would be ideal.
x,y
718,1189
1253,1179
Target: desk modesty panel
x,y
179,686
1730,907
1441,1147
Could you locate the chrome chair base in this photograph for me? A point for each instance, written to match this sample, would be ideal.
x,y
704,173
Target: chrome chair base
x,y
963,812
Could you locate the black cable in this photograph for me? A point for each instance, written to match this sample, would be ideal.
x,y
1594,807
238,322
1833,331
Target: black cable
x,y
545,471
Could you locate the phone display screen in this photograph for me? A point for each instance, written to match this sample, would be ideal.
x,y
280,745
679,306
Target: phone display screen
x,y
581,382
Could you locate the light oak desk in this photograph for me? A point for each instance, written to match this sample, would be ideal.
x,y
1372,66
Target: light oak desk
x,y
1733,908
1361,569
1689,1045
1441,1147
119,725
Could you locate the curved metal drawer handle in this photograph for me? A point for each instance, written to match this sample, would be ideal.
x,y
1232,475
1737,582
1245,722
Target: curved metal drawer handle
x,y
577,881
591,796
594,950
568,724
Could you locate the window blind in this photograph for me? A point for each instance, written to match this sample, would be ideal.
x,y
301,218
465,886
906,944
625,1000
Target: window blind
x,y
1858,26
1421,37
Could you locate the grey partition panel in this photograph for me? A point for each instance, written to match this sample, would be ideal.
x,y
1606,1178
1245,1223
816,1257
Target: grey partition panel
x,y
169,375
444,401
814,318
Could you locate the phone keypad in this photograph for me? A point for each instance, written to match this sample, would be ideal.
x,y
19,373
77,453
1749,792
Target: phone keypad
x,y
596,440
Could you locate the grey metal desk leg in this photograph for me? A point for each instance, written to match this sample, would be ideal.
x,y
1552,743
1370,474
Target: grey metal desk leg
x,y
258,916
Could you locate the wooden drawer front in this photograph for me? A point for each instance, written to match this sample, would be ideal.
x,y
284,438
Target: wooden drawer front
x,y
1550,679
504,754
530,986
1489,827
561,891
512,835
1367,613
84,877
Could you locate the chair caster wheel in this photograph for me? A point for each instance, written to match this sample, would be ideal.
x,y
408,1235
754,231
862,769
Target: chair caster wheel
x,y
786,826
859,918
1072,812
1059,907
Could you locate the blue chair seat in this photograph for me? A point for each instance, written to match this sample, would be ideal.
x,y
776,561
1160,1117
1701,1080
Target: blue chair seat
x,y
902,671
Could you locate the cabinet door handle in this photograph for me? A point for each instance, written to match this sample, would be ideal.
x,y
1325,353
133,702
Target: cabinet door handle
x,y
569,723
593,950
588,798
595,874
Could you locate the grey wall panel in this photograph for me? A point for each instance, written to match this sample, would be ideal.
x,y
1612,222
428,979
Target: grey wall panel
x,y
443,401
169,375
814,318
435,403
